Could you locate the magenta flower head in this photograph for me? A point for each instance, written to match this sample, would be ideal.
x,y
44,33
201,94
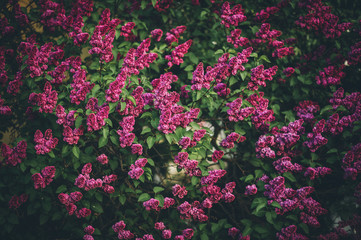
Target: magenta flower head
x,y
251,190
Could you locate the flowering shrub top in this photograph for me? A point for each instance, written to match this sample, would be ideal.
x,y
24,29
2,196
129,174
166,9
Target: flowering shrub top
x,y
179,120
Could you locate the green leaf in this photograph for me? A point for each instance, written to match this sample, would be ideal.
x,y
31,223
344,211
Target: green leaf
x,y
276,204
43,219
249,178
78,121
158,189
195,180
97,207
132,99
289,176
102,141
151,162
189,68
143,197
122,199
145,130
76,151
154,2
61,189
150,141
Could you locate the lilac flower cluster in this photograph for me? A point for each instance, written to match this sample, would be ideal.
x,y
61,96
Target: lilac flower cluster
x,y
320,18
186,142
5,28
178,53
354,55
261,116
221,71
119,229
14,156
130,108
96,121
41,180
236,113
80,86
171,113
229,141
236,39
351,162
316,140
103,37
16,201
89,230
46,100
284,164
259,75
288,71
179,191
313,173
190,166
306,109
174,34
126,31
137,168
14,85
131,65
58,74
103,159
69,201
44,143
157,34
250,190
234,232
217,155
192,211
84,180
290,233
126,137
266,34
71,136
232,16
64,118
330,76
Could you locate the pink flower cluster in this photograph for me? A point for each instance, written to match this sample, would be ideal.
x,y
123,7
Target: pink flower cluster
x,y
14,156
44,143
221,71
290,233
264,14
103,159
186,142
179,191
171,113
192,211
306,109
38,59
64,118
162,5
126,137
58,74
80,86
236,113
313,173
288,71
89,230
157,34
234,232
131,65
236,39
154,204
266,34
5,28
46,100
354,55
232,16
229,141
316,140
14,85
45,178
103,37
71,136
320,18
137,168
222,90
126,31
119,229
259,75
69,201
215,193
250,190
174,34
330,76
16,201
284,164
190,166
84,180
130,108
217,155
96,121
178,53
351,162
261,116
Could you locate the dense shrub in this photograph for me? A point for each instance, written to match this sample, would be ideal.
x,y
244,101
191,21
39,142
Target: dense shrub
x,y
179,120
